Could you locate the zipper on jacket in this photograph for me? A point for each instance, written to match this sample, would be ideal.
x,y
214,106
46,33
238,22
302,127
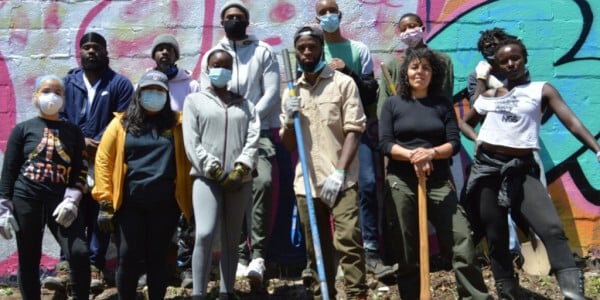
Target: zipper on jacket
x,y
225,139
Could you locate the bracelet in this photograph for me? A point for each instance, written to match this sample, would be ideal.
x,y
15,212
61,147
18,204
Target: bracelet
x,y
435,152
598,155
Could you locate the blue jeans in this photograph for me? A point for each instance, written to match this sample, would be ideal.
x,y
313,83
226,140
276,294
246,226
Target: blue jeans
x,y
367,198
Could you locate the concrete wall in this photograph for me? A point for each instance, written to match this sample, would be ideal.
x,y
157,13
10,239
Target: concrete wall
x,y
39,37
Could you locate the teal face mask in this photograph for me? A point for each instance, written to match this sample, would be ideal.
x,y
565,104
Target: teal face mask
x,y
318,67
219,77
330,22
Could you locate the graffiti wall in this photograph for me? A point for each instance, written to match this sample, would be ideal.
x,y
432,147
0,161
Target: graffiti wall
x,y
39,37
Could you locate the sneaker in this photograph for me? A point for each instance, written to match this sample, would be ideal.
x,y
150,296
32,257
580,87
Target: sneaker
x,y
187,281
61,280
142,281
256,268
375,266
241,270
96,283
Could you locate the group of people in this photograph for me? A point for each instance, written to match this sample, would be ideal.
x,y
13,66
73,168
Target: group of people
x,y
104,157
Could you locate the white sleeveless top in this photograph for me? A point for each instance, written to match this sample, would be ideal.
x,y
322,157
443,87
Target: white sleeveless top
x,y
512,120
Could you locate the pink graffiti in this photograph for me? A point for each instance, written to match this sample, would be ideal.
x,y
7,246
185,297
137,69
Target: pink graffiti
x,y
273,41
282,12
576,199
8,105
389,3
52,22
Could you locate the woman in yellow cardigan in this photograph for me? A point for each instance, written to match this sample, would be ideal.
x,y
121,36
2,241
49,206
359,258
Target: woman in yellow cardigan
x,y
143,184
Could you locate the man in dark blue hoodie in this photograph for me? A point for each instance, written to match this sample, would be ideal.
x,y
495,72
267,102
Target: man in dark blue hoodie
x,y
93,92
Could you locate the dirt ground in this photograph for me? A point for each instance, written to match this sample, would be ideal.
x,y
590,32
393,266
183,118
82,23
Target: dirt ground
x,y
283,284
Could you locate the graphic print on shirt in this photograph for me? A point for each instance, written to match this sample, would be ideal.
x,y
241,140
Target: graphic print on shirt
x,y
43,166
507,106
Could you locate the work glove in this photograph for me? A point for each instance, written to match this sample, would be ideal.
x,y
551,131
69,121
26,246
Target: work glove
x,y
331,187
215,171
8,224
66,211
483,70
292,105
233,181
494,83
105,216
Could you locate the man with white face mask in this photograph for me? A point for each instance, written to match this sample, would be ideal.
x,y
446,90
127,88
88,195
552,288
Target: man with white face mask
x,y
353,58
411,32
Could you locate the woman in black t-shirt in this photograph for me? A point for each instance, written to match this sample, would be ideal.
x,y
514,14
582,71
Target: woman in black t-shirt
x,y
418,132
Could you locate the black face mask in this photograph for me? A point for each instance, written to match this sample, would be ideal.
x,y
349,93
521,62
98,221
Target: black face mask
x,y
235,29
489,52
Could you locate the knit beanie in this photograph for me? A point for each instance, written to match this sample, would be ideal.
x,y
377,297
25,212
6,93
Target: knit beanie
x,y
237,3
165,39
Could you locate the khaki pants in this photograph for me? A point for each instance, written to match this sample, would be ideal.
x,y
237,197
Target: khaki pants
x,y
346,239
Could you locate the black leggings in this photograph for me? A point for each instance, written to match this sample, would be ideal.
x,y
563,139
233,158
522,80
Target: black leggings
x,y
32,215
536,209
144,232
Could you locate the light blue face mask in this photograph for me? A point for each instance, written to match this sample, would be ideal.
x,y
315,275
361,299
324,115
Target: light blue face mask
x,y
153,100
320,65
219,77
330,22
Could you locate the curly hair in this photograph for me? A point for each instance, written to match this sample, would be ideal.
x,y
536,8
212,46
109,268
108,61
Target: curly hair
x,y
435,86
136,121
491,34
513,41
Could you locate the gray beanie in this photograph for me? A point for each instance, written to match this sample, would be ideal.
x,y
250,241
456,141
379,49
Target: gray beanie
x,y
168,39
237,3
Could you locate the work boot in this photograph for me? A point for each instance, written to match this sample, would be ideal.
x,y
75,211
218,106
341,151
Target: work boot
x,y
570,281
375,266
96,283
187,281
61,280
409,286
508,288
307,277
226,296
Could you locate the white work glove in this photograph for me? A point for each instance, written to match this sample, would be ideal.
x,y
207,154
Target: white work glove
x,y
8,224
494,83
483,70
292,105
66,211
331,187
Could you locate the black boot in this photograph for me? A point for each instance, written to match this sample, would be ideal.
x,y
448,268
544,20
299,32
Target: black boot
x,y
226,296
409,286
508,288
571,283
197,297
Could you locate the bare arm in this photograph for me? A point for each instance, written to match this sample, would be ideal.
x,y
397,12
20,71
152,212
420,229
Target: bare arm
x,y
552,98
349,149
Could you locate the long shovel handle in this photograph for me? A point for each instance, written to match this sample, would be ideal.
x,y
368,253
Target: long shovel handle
x,y
423,240
312,217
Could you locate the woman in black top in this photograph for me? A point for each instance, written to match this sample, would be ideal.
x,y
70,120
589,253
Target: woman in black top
x,y
418,132
42,182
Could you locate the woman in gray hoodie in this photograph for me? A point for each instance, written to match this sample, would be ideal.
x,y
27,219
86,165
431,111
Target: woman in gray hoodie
x,y
221,131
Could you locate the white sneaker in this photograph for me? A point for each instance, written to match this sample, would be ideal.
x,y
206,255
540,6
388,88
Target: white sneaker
x,y
241,271
256,268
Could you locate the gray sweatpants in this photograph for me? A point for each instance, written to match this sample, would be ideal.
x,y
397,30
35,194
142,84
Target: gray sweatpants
x,y
217,209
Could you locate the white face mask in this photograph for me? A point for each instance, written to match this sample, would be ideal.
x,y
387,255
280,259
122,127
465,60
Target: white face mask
x,y
153,100
412,37
50,103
